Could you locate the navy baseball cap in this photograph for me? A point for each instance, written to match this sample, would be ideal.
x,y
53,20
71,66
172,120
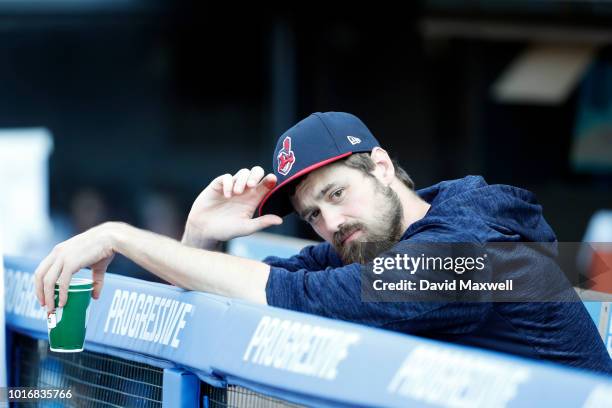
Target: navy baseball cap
x,y
320,139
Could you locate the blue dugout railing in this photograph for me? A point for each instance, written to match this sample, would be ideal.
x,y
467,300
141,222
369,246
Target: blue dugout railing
x,y
301,358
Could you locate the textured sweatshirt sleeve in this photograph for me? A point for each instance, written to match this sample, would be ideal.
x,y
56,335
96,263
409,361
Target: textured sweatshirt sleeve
x,y
302,283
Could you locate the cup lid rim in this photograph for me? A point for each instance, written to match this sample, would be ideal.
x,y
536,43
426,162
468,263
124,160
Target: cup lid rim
x,y
75,283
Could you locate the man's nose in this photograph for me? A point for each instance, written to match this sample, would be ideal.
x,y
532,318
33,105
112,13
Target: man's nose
x,y
332,219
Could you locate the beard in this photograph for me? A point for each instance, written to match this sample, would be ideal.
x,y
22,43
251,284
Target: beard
x,y
378,236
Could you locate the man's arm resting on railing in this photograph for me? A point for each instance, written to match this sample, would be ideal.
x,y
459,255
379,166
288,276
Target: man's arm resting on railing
x,y
187,267
191,268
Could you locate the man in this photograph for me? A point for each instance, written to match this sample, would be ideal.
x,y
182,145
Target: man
x,y
332,171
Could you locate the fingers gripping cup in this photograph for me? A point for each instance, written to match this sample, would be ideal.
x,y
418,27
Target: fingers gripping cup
x,y
66,326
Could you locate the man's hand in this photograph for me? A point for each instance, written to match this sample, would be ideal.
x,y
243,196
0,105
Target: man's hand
x,y
93,248
224,210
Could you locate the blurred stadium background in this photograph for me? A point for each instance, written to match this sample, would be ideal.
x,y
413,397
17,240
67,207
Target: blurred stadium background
x,y
142,97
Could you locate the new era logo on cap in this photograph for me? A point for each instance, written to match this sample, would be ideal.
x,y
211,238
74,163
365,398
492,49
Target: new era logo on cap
x,y
354,140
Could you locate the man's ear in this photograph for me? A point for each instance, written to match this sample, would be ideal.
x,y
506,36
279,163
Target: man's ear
x,y
384,170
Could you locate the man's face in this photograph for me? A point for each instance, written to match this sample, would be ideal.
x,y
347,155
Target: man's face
x,y
353,211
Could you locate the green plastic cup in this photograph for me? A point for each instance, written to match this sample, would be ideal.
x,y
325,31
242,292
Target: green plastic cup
x,y
66,326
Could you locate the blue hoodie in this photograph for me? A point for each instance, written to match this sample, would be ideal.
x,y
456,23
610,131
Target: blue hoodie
x,y
465,210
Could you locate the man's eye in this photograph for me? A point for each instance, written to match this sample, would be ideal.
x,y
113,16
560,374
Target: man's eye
x,y
338,193
312,216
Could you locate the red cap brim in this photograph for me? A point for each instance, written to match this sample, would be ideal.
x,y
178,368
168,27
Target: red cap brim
x,y
278,203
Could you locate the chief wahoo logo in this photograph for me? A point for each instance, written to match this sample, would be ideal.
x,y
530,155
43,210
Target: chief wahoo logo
x,y
285,157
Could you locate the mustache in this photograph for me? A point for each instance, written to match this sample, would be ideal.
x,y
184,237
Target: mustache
x,y
344,231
